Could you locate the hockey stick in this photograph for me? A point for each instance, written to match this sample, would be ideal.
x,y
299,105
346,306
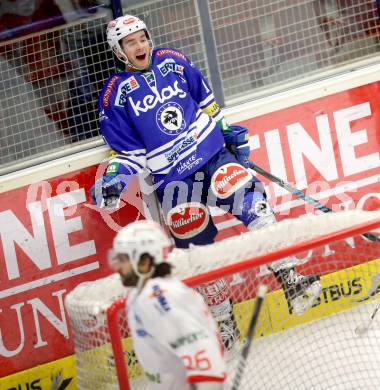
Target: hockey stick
x,y
303,196
363,328
248,338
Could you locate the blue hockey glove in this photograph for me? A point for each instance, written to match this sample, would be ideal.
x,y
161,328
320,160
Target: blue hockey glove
x,y
106,191
236,140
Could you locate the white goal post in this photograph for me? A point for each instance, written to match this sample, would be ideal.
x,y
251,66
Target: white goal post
x,y
330,245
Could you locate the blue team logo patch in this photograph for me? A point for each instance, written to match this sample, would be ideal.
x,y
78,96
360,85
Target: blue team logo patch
x,y
158,294
169,65
170,118
125,87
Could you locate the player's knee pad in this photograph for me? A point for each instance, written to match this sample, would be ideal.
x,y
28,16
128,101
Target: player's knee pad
x,y
229,179
191,223
217,297
256,211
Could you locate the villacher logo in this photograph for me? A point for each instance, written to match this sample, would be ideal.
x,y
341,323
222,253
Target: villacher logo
x,y
229,178
186,221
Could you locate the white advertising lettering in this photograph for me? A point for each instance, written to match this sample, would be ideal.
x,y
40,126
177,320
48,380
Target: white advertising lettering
x,y
178,149
35,246
328,147
150,101
47,244
39,310
188,164
322,151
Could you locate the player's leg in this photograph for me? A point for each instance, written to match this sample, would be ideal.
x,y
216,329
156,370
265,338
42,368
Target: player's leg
x,y
190,223
186,214
300,291
235,187
217,296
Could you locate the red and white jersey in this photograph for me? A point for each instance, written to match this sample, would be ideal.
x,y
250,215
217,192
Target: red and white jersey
x,y
174,335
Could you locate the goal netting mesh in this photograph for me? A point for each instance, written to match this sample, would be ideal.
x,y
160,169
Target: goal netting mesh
x,y
318,349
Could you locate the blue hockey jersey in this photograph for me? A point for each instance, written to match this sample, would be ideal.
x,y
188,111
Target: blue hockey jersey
x,y
155,120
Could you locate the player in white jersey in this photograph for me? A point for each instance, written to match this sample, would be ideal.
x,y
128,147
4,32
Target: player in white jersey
x,y
174,335
159,115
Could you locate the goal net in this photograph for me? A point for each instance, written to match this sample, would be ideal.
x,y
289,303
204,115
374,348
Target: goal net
x,y
318,349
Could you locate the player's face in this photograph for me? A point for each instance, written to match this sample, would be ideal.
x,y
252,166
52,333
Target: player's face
x,y
124,267
136,47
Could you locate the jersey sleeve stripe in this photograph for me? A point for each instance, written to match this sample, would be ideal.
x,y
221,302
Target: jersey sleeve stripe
x,y
205,378
218,117
156,169
168,167
134,152
206,101
165,147
137,156
133,164
206,130
158,161
140,160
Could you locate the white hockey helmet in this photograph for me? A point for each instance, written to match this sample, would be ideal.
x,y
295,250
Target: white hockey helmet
x,y
142,237
119,28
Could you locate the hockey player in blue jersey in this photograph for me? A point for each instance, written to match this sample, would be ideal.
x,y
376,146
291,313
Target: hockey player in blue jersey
x,y
160,115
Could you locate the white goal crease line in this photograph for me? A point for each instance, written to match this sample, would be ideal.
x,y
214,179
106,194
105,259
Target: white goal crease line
x,y
49,279
351,186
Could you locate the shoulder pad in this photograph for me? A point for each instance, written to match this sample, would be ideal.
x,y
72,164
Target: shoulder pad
x,y
171,53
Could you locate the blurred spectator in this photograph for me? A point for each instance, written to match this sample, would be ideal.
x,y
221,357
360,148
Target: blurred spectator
x,y
33,132
79,40
57,63
22,17
81,8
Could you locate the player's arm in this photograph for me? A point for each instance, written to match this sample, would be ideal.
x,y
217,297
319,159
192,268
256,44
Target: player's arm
x,y
235,137
201,91
129,153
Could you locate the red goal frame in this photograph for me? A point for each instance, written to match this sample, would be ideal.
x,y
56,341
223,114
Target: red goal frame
x,y
114,310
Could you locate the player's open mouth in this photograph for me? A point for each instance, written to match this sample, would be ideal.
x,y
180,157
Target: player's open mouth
x,y
141,57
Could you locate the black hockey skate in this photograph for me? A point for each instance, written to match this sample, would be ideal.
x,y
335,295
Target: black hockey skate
x,y
300,291
230,336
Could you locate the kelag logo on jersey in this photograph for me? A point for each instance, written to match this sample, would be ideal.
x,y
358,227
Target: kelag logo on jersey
x,y
125,87
170,118
169,65
150,101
